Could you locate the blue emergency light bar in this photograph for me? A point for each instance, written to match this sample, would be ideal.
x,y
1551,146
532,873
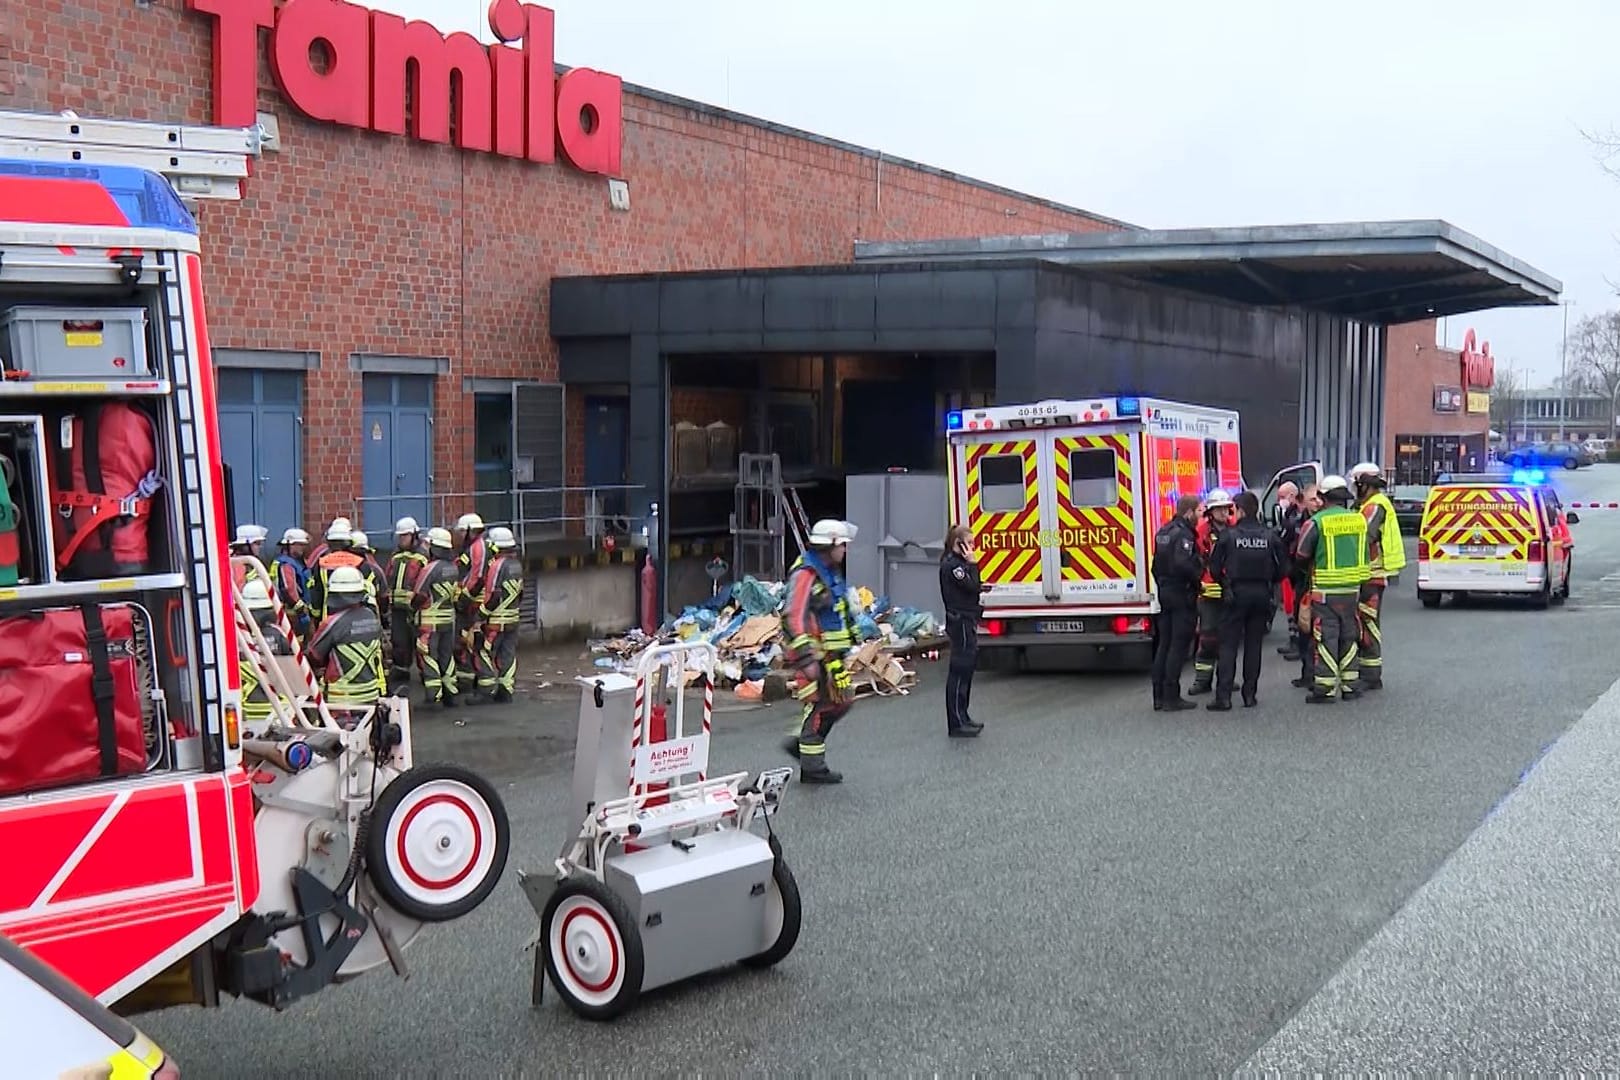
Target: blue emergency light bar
x,y
1129,406
1529,476
119,196
953,421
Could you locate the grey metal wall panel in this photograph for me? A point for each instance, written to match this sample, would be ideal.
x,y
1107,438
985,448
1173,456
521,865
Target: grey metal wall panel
x,y
538,444
935,299
841,303
900,536
1342,392
711,305
594,360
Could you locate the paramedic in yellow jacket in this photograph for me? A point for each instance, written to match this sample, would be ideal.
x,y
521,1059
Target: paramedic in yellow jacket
x,y
820,633
1386,557
257,711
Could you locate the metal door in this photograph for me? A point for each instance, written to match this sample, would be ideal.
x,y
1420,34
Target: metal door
x,y
396,459
607,442
260,437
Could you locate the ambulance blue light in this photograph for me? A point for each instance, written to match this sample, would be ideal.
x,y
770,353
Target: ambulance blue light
x,y
1529,476
953,421
1129,406
143,199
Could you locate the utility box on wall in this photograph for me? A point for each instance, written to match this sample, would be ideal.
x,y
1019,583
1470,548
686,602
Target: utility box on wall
x,y
900,536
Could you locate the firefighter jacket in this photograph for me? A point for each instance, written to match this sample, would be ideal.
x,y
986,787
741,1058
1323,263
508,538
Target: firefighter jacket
x,y
1208,533
242,573
437,589
1248,558
1386,552
404,570
816,614
376,582
1334,543
1177,567
292,581
315,554
959,586
501,592
472,563
347,650
255,695
315,591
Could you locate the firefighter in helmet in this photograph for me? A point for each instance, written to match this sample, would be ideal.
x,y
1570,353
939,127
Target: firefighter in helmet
x,y
434,600
338,556
372,571
1217,514
292,577
256,708
405,566
472,559
1386,557
1334,544
249,541
341,526
502,593
820,633
347,647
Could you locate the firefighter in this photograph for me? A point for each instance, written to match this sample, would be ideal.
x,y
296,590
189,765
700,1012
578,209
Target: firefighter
x,y
1217,512
256,708
434,600
502,593
292,578
1386,557
249,541
404,568
1248,562
336,557
1334,542
347,647
340,526
372,571
962,595
471,560
820,633
1176,569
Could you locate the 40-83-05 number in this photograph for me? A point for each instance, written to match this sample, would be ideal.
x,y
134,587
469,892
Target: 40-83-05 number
x,y
1038,410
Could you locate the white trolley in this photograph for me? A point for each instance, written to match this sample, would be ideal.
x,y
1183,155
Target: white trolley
x,y
666,878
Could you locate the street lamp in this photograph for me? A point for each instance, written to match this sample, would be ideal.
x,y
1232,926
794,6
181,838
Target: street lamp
x,y
1563,374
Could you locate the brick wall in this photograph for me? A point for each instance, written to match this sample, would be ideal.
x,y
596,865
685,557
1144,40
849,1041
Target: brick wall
x,y
351,242
1417,364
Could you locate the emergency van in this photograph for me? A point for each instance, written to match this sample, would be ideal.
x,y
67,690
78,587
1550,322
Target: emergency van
x,y
1064,498
1495,533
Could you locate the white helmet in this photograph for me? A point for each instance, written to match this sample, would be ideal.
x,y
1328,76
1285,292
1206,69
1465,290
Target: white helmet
x,y
256,595
406,526
340,531
501,538
360,540
829,532
251,534
469,521
1333,485
345,581
1366,472
294,535
1217,498
439,538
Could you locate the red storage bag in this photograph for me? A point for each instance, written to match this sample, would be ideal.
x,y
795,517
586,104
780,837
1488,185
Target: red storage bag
x,y
103,477
70,702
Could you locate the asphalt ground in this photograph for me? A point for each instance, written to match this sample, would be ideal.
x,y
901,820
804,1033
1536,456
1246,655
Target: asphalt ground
x,y
1092,885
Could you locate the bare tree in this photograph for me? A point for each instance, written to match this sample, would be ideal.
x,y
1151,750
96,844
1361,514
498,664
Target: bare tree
x,y
1595,352
1507,396
1606,148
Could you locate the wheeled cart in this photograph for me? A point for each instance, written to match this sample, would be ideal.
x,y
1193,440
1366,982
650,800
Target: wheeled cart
x,y
666,878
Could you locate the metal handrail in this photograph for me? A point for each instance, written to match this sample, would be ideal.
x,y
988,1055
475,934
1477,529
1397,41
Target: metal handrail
x,y
537,513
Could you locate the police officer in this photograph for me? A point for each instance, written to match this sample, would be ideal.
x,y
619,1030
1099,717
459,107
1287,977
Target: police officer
x,y
1334,542
1386,554
1217,512
960,590
1176,569
347,648
1248,562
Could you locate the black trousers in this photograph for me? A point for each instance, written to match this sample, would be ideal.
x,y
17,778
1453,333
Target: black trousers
x,y
964,635
1243,625
1174,630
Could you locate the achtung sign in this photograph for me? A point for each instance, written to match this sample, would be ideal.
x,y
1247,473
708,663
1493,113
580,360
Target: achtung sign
x,y
1026,539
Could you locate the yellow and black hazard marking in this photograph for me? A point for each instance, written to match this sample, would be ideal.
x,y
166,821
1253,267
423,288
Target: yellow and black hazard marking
x,y
1489,516
1098,543
1009,540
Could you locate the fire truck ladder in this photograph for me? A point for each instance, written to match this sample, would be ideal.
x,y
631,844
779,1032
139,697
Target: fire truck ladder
x,y
199,162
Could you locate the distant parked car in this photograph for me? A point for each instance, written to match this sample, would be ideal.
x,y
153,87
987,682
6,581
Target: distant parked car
x,y
1570,455
1408,500
1597,448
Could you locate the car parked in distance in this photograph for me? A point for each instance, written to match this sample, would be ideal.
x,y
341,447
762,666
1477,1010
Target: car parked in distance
x,y
1408,500
1544,455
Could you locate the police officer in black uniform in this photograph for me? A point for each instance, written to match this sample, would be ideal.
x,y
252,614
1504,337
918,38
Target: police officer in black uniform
x,y
1248,562
960,589
1176,569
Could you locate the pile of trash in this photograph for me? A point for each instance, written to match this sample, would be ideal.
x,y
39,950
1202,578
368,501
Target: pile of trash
x,y
744,621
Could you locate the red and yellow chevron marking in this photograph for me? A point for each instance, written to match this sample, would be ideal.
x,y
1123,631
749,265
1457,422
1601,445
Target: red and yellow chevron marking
x,y
1009,543
1500,516
1098,543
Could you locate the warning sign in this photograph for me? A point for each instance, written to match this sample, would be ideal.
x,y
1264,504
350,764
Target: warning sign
x,y
376,432
671,758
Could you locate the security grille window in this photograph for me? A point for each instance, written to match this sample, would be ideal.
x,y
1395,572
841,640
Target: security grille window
x,y
1093,478
1001,483
538,456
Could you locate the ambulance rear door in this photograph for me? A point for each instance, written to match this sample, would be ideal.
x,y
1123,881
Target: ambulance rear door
x,y
996,481
1099,496
1478,536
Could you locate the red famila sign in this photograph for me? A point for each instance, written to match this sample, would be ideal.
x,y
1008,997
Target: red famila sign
x,y
1478,368
508,98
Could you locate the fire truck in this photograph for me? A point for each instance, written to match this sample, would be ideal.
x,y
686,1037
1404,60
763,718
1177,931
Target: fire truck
x,y
159,850
1064,498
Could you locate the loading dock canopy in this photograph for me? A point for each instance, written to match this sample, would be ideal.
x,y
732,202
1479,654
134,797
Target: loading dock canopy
x,y
1382,272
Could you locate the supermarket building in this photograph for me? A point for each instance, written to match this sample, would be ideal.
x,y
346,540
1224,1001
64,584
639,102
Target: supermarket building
x,y
454,272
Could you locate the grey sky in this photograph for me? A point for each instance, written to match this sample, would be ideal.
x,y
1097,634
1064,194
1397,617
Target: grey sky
x,y
1170,113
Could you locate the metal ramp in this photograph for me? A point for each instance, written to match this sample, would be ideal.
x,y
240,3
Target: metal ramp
x,y
764,514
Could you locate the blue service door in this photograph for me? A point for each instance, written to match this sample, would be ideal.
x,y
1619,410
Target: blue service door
x,y
396,456
261,428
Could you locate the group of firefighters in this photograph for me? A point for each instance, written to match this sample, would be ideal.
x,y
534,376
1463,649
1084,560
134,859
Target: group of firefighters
x,y
1332,552
445,602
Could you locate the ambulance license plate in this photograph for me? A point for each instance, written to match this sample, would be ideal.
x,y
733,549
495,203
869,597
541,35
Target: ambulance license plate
x,y
1061,626
1477,549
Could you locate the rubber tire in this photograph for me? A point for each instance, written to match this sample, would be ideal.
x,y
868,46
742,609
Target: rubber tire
x,y
1429,598
624,923
792,918
377,842
1571,464
1542,599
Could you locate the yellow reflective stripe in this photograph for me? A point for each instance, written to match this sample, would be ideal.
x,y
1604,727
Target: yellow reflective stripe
x,y
138,1061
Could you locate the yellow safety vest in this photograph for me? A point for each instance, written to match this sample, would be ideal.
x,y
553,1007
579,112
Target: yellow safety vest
x,y
1341,550
1391,558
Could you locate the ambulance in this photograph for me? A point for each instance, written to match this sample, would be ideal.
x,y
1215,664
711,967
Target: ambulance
x,y
1064,498
1495,533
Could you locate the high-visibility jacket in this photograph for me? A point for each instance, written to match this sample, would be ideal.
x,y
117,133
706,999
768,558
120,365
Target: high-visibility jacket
x,y
437,590
1391,551
404,569
347,648
472,563
1207,533
816,614
376,580
1340,562
502,592
322,575
256,707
